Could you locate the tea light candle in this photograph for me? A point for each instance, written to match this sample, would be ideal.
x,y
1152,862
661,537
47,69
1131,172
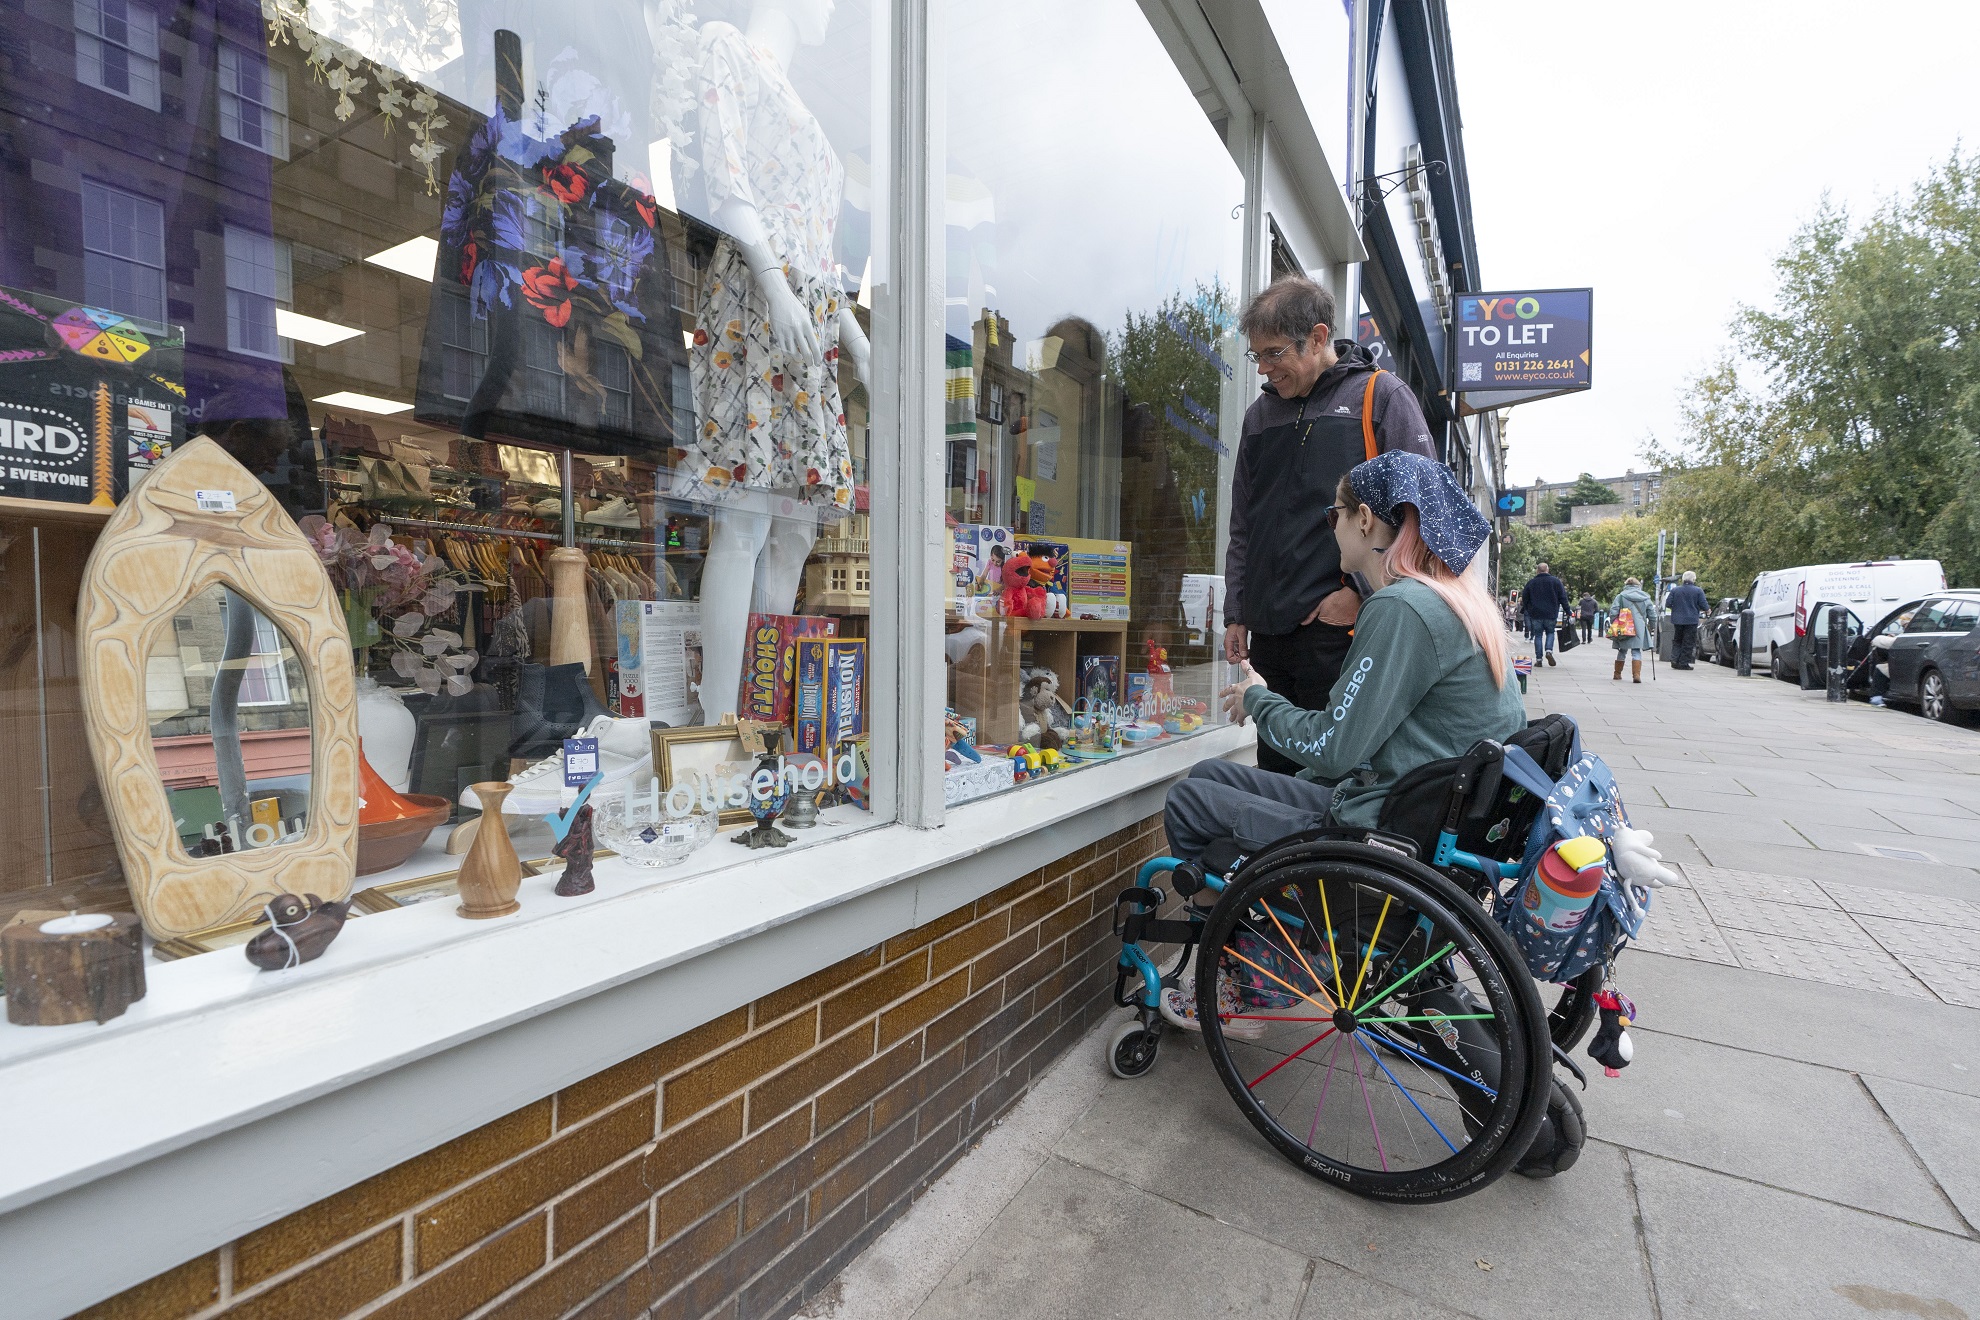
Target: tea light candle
x,y
77,923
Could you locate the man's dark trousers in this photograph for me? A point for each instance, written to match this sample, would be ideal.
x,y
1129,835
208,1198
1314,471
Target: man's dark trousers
x,y
1684,645
1300,666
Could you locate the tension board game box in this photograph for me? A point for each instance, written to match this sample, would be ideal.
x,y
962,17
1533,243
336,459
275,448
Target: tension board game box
x,y
831,691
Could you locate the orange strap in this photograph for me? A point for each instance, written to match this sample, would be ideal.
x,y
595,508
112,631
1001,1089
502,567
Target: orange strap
x,y
1368,449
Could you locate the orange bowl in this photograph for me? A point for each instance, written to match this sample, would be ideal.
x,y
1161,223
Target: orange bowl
x,y
388,843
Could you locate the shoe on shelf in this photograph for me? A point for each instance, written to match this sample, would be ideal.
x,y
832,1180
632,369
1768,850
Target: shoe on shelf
x,y
1178,1008
625,754
551,507
615,512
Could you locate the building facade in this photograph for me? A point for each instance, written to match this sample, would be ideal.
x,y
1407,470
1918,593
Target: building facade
x,y
1634,492
682,376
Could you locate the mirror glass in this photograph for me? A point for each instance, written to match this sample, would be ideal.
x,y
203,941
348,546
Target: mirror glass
x,y
228,706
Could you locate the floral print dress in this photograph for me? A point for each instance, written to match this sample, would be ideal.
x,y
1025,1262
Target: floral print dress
x,y
766,419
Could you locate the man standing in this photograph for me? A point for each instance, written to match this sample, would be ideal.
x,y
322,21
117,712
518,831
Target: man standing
x,y
1545,600
1687,604
1588,607
1289,609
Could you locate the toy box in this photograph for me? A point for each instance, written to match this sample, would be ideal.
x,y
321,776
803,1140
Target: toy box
x,y
979,551
1098,577
769,664
1099,679
831,692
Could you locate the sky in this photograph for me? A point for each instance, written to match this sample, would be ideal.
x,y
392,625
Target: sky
x,y
1666,154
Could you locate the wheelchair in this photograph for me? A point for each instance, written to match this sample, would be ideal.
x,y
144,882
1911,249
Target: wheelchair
x,y
1360,1004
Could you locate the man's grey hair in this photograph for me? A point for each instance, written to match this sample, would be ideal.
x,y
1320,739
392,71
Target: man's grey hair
x,y
1690,576
1289,306
1541,567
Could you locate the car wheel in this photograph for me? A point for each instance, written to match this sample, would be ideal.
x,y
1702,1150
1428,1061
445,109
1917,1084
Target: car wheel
x,y
1934,703
1774,665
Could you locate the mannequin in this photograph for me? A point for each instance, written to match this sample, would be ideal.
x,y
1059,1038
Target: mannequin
x,y
774,323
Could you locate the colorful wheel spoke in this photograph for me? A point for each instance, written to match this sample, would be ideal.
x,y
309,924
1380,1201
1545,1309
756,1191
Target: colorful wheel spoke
x,y
1405,1093
1253,1083
1380,1153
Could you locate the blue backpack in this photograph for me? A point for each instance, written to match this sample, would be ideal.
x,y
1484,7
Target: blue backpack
x,y
1583,802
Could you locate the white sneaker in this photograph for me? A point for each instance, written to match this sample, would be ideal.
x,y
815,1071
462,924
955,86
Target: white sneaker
x,y
1178,1009
625,754
615,512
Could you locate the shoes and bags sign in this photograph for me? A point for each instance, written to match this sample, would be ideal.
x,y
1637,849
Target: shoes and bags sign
x,y
1529,342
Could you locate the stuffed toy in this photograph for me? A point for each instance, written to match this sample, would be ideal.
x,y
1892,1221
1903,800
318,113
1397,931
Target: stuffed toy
x,y
1611,1046
1038,706
1637,862
1022,599
1051,601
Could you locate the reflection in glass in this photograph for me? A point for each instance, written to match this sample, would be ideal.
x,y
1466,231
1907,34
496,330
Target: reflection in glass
x,y
230,726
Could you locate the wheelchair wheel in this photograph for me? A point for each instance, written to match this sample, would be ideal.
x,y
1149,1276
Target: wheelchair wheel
x,y
1373,1023
1132,1049
1574,1012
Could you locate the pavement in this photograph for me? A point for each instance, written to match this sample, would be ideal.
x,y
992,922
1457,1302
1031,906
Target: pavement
x,y
1799,1134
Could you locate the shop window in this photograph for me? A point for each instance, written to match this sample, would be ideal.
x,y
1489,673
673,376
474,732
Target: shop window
x,y
123,239
1094,396
259,280
117,49
254,101
536,327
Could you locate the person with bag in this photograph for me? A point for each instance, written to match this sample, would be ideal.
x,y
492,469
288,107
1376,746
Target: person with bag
x,y
1545,600
1633,627
1289,608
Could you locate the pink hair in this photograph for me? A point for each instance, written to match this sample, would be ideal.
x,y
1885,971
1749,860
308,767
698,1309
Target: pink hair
x,y
1408,557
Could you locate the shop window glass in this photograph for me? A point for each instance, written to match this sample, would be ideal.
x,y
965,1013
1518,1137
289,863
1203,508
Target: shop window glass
x,y
123,239
1094,392
254,102
512,281
117,49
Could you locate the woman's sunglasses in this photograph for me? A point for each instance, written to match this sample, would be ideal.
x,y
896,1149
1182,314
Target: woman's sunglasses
x,y
1334,512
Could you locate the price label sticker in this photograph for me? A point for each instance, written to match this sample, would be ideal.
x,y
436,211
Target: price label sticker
x,y
677,831
214,501
580,761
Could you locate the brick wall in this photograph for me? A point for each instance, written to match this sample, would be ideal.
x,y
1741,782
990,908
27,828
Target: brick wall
x,y
729,1172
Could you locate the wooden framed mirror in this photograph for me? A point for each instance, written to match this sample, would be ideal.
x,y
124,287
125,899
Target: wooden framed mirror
x,y
202,586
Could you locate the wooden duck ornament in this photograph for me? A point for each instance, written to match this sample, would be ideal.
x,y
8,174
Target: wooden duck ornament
x,y
301,930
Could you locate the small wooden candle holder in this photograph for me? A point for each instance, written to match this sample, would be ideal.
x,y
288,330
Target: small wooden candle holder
x,y
57,977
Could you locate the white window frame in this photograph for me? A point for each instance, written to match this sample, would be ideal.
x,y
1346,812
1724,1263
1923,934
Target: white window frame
x,y
260,272
262,125
267,665
99,258
97,35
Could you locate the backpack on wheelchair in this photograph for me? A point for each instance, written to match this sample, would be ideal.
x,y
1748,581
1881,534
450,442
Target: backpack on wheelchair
x,y
1360,994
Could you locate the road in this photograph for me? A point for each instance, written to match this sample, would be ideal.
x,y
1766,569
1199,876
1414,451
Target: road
x,y
1798,1136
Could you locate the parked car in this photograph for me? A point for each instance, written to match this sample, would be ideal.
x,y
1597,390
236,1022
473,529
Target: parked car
x,y
1719,638
1934,652
1782,599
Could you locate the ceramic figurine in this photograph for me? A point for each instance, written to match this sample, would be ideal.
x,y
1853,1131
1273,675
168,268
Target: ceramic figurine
x,y
491,872
575,849
300,930
767,809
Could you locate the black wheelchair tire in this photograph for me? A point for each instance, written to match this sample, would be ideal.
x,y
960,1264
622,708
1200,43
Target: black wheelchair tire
x,y
1526,1052
1574,1012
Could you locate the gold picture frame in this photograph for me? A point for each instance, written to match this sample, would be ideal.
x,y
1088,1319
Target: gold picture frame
x,y
678,753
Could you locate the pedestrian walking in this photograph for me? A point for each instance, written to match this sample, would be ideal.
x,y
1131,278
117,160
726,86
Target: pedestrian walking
x,y
1588,607
1289,607
1633,625
1687,604
1545,600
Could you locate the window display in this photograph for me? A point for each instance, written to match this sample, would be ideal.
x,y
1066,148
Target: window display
x,y
1093,395
546,326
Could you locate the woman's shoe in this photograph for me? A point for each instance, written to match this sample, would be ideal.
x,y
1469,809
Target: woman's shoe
x,y
1178,1009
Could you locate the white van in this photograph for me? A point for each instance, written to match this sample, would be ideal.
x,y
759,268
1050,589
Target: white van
x,y
1781,600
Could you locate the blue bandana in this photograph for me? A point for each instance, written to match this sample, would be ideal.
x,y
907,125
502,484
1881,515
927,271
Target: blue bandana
x,y
1451,525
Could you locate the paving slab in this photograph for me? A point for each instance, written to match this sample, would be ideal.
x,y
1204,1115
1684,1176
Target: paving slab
x,y
1772,1120
1931,826
1178,1134
1939,1126
1705,826
1791,920
1764,885
1336,1293
1908,906
1906,938
1720,1246
1946,852
1680,926
1850,868
1832,964
1956,983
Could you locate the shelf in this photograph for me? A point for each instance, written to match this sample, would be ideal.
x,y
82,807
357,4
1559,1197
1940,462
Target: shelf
x,y
1046,625
12,506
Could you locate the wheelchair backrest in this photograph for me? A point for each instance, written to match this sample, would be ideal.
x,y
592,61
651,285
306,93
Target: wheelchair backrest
x,y
1497,814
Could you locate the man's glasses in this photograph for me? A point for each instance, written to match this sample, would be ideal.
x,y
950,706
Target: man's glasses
x,y
1269,355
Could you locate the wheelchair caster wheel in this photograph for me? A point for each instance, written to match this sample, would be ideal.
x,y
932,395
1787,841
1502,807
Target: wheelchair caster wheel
x,y
1132,1049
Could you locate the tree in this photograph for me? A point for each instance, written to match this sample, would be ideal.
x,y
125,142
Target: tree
x,y
1595,558
1586,490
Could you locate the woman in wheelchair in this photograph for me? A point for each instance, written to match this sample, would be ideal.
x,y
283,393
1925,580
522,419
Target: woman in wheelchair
x,y
1425,678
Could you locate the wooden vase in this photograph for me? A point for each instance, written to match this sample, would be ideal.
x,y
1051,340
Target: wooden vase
x,y
491,873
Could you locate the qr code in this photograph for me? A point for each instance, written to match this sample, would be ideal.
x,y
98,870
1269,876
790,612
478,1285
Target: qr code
x,y
1470,371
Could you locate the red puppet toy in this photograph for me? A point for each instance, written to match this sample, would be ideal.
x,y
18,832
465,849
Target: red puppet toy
x,y
1022,599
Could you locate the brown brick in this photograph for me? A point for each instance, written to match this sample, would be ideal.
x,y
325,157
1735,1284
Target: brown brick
x,y
845,1181
954,1095
469,1215
1093,932
690,1253
334,1219
342,1283
810,1075
1033,907
952,1026
1061,979
868,1082
735,1068
983,933
903,1099
604,1089
774,1189
928,932
1028,1037
1040,965
1010,893
792,997
177,1292
688,1147
626,1300
739,1263
915,1170
985,1039
695,1196
492,1268
944,994
1057,925
871,995
577,1277
597,1204
990,968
